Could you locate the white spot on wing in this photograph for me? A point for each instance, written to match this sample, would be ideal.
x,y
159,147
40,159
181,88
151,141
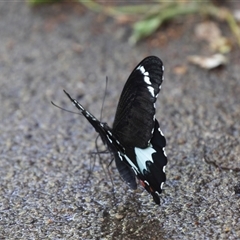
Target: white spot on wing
x,y
134,168
164,152
146,74
120,156
151,90
157,193
164,169
160,131
161,186
147,80
153,128
142,156
109,139
145,181
87,113
141,69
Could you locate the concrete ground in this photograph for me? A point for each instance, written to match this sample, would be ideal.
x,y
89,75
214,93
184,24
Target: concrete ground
x,y
49,188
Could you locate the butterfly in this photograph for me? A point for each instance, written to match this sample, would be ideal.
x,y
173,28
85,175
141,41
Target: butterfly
x,y
135,139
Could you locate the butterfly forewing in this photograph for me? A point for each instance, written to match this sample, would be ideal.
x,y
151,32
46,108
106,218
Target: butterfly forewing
x,y
134,119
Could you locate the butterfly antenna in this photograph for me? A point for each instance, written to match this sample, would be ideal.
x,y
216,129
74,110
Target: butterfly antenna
x,y
55,105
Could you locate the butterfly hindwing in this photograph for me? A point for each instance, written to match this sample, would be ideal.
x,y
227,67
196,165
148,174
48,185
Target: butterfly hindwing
x,y
125,171
154,173
149,163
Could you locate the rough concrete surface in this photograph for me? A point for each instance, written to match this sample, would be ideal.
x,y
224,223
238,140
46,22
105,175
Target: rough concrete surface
x,y
49,185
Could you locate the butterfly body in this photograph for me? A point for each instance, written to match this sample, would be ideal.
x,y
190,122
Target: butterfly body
x,y
135,139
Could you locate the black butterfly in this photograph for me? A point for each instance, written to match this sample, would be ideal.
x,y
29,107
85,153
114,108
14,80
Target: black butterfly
x,y
135,139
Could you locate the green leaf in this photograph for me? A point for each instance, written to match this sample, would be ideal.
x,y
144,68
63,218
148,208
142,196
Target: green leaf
x,y
145,28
